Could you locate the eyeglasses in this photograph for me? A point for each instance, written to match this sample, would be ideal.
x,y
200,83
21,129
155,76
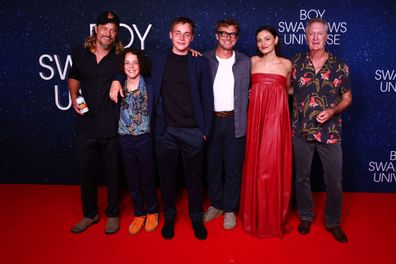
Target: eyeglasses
x,y
225,34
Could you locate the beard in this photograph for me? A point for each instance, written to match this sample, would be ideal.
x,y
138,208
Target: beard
x,y
106,45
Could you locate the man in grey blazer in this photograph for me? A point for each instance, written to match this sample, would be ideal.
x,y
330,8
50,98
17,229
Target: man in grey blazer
x,y
230,72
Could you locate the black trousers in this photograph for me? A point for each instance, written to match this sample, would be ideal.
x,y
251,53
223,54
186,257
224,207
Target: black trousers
x,y
225,156
331,158
138,161
189,143
90,151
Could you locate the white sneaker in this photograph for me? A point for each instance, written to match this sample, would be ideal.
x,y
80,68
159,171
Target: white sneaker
x,y
211,214
229,220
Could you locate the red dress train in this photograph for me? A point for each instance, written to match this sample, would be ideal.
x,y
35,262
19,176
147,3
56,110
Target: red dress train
x,y
266,180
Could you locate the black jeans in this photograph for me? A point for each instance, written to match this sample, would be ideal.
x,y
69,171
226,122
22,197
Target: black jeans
x,y
89,152
331,158
189,143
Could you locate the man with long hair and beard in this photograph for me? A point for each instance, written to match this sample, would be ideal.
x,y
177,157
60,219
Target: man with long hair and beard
x,y
94,65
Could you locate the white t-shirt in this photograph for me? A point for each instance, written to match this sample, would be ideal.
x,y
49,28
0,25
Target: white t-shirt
x,y
223,85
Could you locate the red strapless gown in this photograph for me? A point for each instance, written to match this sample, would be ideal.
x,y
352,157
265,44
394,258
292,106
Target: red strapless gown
x,y
267,170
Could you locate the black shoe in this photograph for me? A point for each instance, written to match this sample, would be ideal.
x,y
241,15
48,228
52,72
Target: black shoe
x,y
304,227
168,230
337,233
200,231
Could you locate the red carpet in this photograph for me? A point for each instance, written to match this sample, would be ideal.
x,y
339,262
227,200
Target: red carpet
x,y
36,221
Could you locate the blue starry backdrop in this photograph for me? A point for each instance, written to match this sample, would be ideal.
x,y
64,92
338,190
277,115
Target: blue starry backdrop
x,y
38,127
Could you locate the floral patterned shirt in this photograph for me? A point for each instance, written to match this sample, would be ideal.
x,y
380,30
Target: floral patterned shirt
x,y
315,92
134,115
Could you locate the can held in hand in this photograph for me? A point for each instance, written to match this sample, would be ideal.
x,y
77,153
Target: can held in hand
x,y
82,105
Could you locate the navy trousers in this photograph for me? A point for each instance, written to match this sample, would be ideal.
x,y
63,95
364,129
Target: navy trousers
x,y
225,155
189,143
138,161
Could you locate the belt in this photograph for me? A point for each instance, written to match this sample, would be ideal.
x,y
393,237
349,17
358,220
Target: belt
x,y
223,114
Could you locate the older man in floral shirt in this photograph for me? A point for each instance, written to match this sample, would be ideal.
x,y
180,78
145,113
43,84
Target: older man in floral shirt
x,y
322,90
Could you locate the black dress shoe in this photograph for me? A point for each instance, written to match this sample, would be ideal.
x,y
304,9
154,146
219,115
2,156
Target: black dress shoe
x,y
200,231
338,234
304,227
168,230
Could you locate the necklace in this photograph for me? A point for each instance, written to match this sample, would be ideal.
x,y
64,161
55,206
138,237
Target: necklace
x,y
319,64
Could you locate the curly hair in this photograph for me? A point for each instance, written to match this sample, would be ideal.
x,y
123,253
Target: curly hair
x,y
144,62
90,43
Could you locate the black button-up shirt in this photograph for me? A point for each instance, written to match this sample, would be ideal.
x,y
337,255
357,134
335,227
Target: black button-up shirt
x,y
101,120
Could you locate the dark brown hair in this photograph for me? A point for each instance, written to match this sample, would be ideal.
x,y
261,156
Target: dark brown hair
x,y
144,62
274,33
183,20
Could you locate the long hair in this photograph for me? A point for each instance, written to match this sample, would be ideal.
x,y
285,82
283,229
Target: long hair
x,y
90,43
274,33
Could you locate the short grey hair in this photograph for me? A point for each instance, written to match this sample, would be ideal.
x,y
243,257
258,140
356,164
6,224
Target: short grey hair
x,y
317,20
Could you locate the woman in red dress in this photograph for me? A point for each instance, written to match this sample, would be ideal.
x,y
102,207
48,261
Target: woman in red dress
x,y
266,180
